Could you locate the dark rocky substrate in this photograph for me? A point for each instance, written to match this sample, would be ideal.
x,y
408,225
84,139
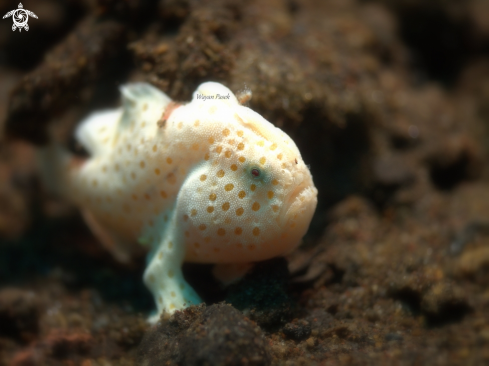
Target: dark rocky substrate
x,y
388,102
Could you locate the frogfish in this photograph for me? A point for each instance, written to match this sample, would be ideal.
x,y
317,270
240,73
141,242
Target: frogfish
x,y
209,181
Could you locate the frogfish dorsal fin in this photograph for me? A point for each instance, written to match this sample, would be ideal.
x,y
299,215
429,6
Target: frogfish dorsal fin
x,y
97,132
141,97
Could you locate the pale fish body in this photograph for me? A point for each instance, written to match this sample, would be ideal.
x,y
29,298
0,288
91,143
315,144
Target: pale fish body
x,y
210,181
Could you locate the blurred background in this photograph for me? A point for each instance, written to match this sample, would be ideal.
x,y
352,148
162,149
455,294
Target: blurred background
x,y
388,102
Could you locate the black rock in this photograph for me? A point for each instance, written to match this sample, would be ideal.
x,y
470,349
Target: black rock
x,y
216,335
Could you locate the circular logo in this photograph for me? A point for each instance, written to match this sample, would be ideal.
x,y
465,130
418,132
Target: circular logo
x,y
20,18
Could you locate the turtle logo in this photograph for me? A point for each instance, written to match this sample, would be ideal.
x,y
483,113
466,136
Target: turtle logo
x,y
20,17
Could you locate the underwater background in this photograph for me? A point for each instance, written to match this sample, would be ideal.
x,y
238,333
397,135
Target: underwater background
x,y
388,102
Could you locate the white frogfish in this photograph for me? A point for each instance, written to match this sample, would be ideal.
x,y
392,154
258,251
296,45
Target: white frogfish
x,y
210,181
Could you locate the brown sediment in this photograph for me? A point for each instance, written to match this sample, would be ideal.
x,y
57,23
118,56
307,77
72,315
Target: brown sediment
x,y
395,265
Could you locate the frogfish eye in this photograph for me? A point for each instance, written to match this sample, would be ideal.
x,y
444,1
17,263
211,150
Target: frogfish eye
x,y
255,172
